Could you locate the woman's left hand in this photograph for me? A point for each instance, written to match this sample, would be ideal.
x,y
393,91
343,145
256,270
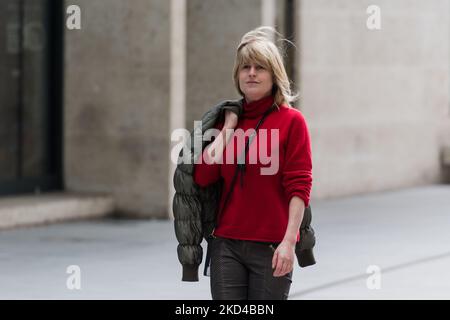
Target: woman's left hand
x,y
283,259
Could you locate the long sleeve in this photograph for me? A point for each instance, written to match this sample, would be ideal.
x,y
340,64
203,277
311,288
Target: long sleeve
x,y
297,171
204,173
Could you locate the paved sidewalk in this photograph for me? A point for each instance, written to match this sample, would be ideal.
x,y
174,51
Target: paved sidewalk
x,y
405,233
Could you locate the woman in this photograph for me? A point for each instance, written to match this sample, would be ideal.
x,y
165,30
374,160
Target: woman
x,y
253,246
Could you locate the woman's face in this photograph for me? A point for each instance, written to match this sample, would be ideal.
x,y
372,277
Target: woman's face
x,y
255,81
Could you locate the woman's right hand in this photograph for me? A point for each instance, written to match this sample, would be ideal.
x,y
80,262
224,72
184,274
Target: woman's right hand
x,y
231,120
216,148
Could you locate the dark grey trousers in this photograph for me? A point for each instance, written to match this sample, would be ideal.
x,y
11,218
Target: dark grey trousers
x,y
242,270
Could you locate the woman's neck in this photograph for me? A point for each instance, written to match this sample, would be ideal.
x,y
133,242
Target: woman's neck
x,y
256,108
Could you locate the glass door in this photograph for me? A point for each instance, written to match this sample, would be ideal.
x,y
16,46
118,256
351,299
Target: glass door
x,y
30,96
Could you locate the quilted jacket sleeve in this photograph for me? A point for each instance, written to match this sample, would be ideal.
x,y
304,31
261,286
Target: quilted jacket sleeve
x,y
188,225
187,206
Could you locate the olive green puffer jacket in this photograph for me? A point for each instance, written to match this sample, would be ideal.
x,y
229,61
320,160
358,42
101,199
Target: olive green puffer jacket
x,y
195,208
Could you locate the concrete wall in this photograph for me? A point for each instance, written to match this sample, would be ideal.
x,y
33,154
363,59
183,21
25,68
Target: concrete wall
x,y
377,102
214,29
117,91
116,103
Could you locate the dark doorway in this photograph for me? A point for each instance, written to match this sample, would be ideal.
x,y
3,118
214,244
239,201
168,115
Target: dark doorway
x,y
31,42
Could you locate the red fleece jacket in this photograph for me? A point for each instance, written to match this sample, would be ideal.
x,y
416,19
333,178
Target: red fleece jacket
x,y
259,210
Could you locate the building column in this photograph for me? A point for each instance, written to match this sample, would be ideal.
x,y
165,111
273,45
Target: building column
x,y
177,82
268,13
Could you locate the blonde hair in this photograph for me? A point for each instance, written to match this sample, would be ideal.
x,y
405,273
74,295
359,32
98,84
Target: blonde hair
x,y
257,46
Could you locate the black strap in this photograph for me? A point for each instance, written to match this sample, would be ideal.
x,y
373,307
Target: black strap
x,y
240,168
